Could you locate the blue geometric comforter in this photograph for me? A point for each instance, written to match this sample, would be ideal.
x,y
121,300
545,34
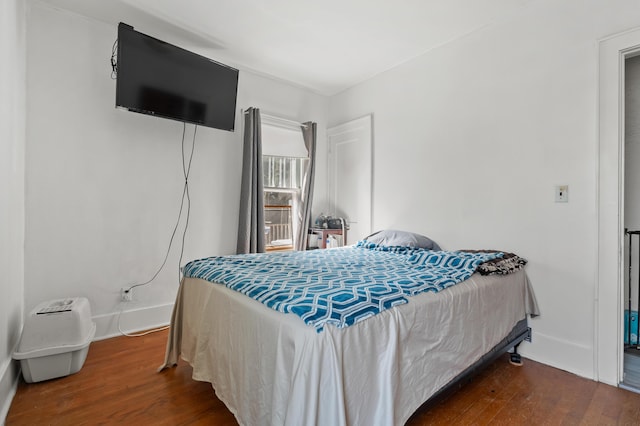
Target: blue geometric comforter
x,y
338,286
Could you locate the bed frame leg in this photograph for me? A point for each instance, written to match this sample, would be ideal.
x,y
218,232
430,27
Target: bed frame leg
x,y
514,357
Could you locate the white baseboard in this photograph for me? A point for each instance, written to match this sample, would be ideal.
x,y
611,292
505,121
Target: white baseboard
x,y
564,355
132,320
9,375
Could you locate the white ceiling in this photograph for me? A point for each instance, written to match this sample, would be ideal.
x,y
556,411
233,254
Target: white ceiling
x,y
326,46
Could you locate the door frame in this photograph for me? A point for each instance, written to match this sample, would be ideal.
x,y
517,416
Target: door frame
x,y
608,347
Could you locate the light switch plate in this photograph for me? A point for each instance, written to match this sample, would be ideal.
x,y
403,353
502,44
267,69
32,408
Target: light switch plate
x,y
562,193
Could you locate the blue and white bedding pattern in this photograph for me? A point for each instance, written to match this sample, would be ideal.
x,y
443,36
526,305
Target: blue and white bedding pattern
x,y
338,286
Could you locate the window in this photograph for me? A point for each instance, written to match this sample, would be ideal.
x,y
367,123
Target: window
x,y
284,163
278,227
283,172
283,177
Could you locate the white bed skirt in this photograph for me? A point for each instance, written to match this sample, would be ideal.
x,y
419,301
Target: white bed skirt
x,y
270,368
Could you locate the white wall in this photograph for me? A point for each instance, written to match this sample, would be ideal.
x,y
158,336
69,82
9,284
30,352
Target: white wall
x,y
12,142
103,186
471,138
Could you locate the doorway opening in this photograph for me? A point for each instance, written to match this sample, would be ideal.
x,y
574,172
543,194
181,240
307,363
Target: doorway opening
x,y
631,202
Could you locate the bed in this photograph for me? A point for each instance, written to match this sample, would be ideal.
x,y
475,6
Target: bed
x,y
276,368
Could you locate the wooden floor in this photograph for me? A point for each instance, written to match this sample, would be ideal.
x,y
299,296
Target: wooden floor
x,y
118,384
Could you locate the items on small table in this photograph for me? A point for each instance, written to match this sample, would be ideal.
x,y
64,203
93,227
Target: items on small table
x,y
323,235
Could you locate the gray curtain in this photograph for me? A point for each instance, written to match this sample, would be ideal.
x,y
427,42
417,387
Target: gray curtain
x,y
251,224
309,131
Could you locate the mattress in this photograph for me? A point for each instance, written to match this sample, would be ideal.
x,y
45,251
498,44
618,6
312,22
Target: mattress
x,y
272,368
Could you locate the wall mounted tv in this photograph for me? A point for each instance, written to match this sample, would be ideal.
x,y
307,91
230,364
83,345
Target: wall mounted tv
x,y
157,78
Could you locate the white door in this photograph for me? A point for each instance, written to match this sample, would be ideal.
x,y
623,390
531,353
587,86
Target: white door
x,y
350,175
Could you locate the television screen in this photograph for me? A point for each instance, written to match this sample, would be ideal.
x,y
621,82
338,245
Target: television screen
x,y
157,78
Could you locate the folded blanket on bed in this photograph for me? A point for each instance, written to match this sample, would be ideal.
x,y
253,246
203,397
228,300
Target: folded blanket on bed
x,y
507,264
338,286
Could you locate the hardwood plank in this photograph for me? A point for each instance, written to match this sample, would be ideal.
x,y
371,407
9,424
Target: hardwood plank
x,y
119,384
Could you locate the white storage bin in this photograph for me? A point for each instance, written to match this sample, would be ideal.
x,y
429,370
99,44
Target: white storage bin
x,y
312,240
55,339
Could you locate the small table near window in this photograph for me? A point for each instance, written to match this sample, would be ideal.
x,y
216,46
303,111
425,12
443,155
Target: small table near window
x,y
323,233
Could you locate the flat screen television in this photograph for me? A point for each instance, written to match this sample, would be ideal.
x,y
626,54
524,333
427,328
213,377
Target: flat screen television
x,y
158,78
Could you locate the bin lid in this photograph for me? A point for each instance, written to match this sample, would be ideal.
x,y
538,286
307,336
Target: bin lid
x,y
55,350
62,322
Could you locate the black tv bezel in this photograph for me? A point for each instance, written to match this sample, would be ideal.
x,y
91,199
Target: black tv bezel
x,y
125,27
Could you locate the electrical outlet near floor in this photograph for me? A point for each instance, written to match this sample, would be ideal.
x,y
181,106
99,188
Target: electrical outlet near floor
x,y
126,294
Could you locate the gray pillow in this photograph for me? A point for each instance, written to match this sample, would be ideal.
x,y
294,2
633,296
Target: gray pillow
x,y
390,237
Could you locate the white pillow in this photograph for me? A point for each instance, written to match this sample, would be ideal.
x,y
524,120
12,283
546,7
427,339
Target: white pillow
x,y
390,237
